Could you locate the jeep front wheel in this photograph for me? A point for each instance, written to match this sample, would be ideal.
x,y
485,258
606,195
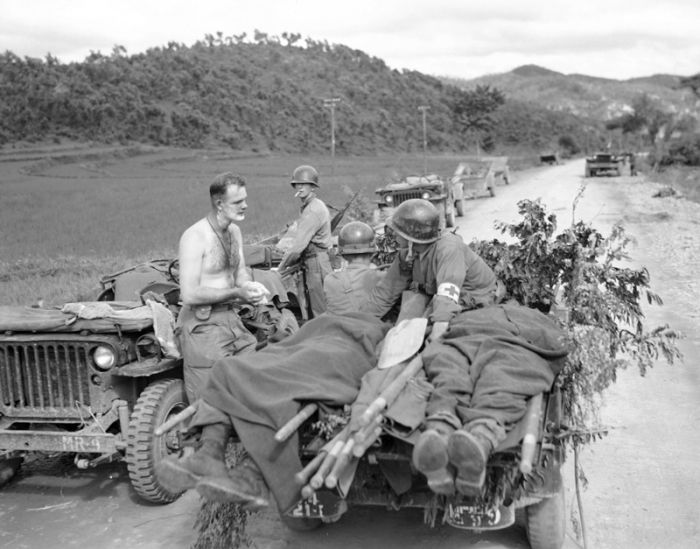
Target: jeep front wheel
x,y
158,401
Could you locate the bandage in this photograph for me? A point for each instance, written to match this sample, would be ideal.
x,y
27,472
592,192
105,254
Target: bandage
x,y
447,289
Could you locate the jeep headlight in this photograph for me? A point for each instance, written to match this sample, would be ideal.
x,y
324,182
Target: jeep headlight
x,y
388,199
425,195
104,357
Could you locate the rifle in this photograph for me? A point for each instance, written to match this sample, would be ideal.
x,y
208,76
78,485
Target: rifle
x,y
340,213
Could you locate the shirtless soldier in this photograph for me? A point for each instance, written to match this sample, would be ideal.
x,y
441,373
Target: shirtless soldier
x,y
213,280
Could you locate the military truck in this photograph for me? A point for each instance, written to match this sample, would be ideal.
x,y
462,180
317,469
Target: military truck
x,y
605,163
428,187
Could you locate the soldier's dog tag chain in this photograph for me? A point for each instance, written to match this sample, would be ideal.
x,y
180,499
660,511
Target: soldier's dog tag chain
x,y
227,250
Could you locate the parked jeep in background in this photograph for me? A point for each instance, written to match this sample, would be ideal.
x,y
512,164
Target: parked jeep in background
x,y
605,163
477,176
499,168
428,187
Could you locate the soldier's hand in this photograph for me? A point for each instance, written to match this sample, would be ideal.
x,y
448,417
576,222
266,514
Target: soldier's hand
x,y
439,328
254,292
289,259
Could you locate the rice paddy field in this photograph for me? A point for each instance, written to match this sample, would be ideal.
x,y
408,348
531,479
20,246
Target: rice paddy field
x,y
69,216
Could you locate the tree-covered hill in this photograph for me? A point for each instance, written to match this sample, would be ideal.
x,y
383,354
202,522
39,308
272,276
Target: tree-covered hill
x,y
267,94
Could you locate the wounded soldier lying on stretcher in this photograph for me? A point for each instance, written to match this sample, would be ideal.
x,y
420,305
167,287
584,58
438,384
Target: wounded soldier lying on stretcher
x,y
481,371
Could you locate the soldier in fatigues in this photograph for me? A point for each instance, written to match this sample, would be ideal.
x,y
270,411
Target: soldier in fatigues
x,y
312,238
441,266
346,290
445,269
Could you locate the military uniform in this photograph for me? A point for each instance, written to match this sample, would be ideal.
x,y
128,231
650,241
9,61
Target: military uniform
x,y
448,271
348,289
311,243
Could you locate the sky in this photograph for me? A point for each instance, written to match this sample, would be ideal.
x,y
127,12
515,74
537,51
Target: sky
x,y
617,39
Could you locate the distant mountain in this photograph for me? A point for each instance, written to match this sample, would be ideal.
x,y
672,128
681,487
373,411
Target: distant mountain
x,y
582,95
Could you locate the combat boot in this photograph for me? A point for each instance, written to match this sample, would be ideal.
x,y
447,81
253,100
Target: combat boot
x,y
469,453
430,456
178,475
244,484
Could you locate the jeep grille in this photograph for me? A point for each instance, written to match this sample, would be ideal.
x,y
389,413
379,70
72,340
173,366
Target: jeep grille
x,y
44,379
405,195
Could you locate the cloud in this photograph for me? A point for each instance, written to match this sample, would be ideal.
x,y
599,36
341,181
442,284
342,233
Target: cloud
x,y
447,37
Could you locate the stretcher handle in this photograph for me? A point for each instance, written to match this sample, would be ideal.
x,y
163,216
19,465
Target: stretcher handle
x,y
340,464
289,428
328,461
303,476
175,420
387,397
532,428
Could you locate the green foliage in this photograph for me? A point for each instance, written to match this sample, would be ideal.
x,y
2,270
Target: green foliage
x,y
521,122
473,110
262,95
684,152
578,275
568,145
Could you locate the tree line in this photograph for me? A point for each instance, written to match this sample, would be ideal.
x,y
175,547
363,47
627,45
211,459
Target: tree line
x,y
262,93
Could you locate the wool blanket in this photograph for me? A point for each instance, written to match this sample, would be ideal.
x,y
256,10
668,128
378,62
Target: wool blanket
x,y
323,362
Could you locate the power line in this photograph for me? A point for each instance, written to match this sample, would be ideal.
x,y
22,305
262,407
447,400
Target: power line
x,y
423,109
330,103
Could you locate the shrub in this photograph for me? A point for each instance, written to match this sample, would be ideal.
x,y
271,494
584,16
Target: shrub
x,y
577,274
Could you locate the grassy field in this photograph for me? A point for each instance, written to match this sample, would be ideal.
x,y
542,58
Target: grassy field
x,y
68,218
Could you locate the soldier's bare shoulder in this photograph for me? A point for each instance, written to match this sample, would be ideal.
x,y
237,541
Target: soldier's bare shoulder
x,y
197,231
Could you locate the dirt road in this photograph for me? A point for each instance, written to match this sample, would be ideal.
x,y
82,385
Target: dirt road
x,y
643,478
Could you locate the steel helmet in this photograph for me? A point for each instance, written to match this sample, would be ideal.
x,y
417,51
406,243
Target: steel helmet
x,y
416,220
356,237
305,174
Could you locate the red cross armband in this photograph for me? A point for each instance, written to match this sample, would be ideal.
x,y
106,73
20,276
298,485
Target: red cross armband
x,y
447,289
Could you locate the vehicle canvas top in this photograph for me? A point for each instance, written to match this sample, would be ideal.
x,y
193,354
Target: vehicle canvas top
x,y
415,180
473,168
117,316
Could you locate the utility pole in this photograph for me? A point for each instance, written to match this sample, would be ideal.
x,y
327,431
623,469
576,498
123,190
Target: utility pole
x,y
424,108
330,103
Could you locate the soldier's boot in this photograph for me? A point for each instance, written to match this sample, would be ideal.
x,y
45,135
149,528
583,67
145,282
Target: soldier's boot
x,y
430,457
178,475
469,453
244,484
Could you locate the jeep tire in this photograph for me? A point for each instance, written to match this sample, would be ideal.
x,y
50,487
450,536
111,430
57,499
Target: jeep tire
x,y
546,521
9,468
449,216
157,402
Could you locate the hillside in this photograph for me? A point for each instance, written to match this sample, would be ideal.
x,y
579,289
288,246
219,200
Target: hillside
x,y
585,96
268,95
261,96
